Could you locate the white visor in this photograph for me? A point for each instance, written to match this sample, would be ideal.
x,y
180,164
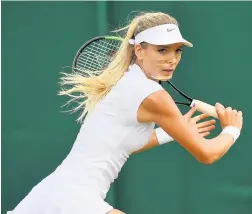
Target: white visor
x,y
161,35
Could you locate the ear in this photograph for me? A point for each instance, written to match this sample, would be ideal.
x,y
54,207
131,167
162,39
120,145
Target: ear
x,y
139,52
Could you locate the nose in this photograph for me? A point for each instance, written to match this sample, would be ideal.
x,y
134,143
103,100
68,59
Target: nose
x,y
172,58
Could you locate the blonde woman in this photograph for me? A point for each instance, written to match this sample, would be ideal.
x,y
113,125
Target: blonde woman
x,y
123,104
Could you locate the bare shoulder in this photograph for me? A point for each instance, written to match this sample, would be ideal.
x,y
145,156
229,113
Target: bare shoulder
x,y
115,211
156,106
160,108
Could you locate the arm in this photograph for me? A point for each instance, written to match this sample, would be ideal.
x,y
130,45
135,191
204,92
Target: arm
x,y
161,109
153,142
203,128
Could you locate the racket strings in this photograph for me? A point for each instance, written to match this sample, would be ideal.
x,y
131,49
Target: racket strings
x,y
97,55
91,60
107,45
87,62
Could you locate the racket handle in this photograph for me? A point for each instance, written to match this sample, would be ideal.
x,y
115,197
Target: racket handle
x,y
205,108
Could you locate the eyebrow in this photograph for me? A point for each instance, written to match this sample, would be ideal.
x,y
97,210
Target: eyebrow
x,y
167,46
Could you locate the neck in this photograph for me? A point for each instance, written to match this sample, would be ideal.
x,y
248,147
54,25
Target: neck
x,y
148,75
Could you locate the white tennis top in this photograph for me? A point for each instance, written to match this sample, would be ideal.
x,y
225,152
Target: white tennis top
x,y
105,140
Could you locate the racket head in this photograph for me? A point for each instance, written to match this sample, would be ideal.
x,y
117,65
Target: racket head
x,y
96,54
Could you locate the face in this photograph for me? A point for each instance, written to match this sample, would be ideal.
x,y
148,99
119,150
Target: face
x,y
158,62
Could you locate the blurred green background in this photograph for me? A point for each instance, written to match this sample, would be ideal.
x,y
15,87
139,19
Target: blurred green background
x,y
40,38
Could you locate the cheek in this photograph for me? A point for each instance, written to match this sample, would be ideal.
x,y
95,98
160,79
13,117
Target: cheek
x,y
153,62
156,58
152,65
150,58
178,59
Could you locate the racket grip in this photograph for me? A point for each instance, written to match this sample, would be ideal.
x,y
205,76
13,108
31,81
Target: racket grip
x,y
205,108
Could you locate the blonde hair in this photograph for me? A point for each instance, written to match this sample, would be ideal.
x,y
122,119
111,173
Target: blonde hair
x,y
92,87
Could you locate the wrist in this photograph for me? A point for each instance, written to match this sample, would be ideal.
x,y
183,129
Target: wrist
x,y
233,131
162,136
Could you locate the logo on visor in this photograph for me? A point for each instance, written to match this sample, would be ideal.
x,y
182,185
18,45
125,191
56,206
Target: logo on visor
x,y
169,30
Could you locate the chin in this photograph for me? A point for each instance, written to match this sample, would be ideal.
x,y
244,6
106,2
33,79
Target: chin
x,y
165,78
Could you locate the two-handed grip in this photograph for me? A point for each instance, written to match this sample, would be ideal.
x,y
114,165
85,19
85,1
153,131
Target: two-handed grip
x,y
205,108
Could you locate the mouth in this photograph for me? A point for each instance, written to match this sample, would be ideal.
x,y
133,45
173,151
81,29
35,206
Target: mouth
x,y
168,70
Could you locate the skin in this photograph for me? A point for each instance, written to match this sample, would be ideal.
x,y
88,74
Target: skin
x,y
160,108
153,59
115,211
155,66
203,128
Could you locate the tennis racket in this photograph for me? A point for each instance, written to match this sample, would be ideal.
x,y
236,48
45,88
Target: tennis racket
x,y
98,52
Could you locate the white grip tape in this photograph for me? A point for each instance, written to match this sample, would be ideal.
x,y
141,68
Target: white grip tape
x,y
205,108
233,131
162,136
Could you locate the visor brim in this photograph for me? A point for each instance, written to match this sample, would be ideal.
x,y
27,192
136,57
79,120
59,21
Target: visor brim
x,y
183,41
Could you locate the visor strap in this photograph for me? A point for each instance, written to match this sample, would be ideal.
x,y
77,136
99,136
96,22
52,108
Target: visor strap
x,y
132,41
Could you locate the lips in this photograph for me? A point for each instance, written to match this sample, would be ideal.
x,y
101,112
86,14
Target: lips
x,y
168,70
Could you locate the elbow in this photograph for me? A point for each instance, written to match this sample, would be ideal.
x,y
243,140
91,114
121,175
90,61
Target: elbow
x,y
208,157
207,161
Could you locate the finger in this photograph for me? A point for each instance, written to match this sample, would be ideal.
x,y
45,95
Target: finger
x,y
200,117
229,109
239,113
206,129
205,134
206,123
220,108
190,113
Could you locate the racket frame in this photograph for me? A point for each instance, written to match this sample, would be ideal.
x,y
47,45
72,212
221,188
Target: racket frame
x,y
202,106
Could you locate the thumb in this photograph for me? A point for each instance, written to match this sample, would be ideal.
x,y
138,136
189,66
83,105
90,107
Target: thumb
x,y
219,108
190,113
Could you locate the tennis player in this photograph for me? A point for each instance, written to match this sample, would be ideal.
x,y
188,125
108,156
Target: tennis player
x,y
123,104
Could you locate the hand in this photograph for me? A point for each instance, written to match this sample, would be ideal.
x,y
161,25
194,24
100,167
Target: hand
x,y
203,128
229,116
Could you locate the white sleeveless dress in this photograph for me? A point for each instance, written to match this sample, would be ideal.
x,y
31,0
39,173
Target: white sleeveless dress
x,y
106,139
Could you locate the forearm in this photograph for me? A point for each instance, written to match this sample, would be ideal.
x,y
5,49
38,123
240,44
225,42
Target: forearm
x,y
153,142
218,147
214,148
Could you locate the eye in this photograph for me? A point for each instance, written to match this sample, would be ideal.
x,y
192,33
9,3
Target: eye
x,y
162,50
179,50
